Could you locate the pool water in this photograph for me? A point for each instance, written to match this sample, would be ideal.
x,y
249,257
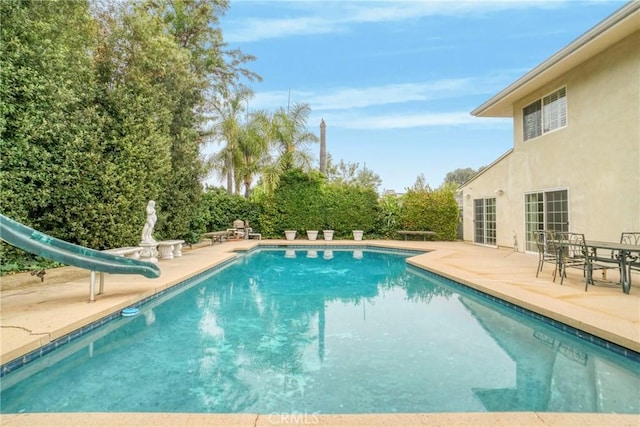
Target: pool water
x,y
317,332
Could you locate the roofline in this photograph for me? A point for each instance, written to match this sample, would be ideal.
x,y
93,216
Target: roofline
x,y
489,166
492,107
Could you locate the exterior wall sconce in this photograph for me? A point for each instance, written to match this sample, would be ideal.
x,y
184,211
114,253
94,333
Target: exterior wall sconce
x,y
468,196
499,191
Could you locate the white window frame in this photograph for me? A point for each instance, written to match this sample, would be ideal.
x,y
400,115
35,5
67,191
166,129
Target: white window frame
x,y
485,222
552,217
548,114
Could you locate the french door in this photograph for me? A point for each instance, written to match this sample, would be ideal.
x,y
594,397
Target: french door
x,y
545,210
484,221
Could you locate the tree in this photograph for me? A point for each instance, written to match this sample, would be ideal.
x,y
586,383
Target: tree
x,y
351,174
230,107
253,150
50,124
103,110
460,176
421,184
290,135
194,26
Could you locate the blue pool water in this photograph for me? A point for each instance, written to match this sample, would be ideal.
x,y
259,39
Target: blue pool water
x,y
314,332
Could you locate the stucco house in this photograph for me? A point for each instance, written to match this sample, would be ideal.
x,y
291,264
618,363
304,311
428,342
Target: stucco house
x,y
575,161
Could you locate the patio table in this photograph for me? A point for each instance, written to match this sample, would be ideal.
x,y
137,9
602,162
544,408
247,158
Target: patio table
x,y
624,251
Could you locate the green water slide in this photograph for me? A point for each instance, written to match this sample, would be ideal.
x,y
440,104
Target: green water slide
x,y
49,247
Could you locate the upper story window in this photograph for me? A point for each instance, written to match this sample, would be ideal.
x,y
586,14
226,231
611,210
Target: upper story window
x,y
545,115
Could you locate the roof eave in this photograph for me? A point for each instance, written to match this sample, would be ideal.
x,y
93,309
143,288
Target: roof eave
x,y
616,27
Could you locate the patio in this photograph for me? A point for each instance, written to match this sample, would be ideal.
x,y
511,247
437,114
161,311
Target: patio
x,y
34,313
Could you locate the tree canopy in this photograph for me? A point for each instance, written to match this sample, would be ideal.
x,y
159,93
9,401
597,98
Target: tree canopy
x,y
461,175
104,106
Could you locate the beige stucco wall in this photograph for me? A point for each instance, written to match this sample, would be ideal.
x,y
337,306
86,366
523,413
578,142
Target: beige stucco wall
x,y
596,157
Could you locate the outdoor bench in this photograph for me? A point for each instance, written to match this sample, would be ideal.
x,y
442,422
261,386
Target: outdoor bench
x,y
424,234
169,249
127,252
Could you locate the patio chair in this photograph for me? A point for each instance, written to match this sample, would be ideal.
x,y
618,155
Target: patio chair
x,y
575,254
632,261
546,250
631,238
239,229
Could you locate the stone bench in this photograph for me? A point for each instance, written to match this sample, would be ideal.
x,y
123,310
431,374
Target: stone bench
x,y
425,234
127,252
169,249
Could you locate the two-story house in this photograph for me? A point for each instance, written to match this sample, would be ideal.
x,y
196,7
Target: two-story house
x,y
575,161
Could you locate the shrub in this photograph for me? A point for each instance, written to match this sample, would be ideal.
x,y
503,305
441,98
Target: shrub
x,y
296,204
435,210
218,209
350,208
389,205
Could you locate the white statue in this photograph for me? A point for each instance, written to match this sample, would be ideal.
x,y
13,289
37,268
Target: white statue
x,y
147,230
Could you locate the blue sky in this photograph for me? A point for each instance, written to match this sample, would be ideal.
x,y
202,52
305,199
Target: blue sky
x,y
395,81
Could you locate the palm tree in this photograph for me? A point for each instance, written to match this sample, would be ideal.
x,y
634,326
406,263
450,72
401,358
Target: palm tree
x,y
253,150
290,137
229,128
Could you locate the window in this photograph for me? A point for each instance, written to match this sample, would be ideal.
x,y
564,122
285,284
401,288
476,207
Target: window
x,y
545,211
484,220
545,115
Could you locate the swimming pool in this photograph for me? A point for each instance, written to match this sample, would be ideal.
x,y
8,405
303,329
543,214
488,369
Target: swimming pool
x,y
318,332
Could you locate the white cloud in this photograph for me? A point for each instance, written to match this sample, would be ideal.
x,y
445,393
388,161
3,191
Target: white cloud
x,y
346,98
351,108
401,121
388,94
259,29
318,17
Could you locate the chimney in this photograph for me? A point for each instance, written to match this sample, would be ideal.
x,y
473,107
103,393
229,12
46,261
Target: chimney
x,y
323,147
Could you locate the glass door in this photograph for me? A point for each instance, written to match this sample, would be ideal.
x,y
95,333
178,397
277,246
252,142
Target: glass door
x,y
484,220
546,210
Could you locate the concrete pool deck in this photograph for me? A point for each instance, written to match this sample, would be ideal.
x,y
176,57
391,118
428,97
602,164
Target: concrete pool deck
x,y
34,313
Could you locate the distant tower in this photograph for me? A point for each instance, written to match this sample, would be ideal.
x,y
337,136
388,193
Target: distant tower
x,y
323,147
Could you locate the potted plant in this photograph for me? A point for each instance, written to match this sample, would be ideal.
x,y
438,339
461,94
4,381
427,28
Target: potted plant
x,y
312,234
327,234
290,234
357,234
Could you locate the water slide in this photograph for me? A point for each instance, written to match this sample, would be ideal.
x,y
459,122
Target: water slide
x,y
49,247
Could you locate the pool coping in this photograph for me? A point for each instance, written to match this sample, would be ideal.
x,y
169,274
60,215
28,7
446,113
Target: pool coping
x,y
487,419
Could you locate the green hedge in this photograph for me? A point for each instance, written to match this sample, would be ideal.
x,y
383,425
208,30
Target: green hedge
x,y
305,201
218,209
435,210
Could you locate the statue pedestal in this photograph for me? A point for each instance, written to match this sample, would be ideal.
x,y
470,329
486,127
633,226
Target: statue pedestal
x,y
149,252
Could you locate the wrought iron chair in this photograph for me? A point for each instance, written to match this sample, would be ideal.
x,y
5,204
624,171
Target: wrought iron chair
x,y
631,238
575,254
546,250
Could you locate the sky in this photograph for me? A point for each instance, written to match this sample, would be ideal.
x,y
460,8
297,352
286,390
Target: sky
x,y
395,81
